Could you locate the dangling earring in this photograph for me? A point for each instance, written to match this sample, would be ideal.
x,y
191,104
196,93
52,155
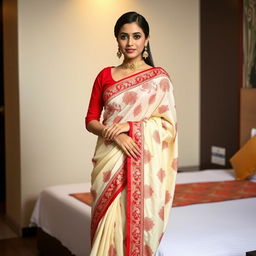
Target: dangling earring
x,y
119,53
145,53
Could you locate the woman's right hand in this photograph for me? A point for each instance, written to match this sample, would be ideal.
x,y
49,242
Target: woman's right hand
x,y
127,144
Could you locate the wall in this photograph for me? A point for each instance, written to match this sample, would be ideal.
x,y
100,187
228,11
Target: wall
x,y
62,46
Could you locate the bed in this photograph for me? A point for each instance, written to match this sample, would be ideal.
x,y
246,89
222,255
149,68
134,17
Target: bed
x,y
225,228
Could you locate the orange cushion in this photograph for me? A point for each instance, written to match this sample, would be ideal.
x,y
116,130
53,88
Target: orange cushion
x,y
244,161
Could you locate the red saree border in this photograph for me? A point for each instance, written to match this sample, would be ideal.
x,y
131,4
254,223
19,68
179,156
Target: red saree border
x,y
135,196
131,81
114,187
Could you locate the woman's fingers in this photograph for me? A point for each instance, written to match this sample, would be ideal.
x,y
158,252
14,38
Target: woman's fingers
x,y
126,151
115,129
114,133
110,130
133,149
136,150
129,147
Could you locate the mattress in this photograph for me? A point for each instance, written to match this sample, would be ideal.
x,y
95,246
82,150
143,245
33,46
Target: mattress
x,y
213,229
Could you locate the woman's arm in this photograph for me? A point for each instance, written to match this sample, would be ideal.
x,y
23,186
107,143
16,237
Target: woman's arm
x,y
95,127
115,132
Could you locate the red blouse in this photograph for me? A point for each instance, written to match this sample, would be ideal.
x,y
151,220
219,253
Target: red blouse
x,y
102,81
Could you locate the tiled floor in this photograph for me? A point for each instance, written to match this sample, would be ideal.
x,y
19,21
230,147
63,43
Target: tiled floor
x,y
5,231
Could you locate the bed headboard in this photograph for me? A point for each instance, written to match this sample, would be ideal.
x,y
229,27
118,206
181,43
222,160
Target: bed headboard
x,y
247,113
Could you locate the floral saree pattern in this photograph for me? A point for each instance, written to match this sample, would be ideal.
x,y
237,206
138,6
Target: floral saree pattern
x,y
133,197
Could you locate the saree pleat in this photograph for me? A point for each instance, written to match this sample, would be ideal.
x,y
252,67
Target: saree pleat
x,y
133,197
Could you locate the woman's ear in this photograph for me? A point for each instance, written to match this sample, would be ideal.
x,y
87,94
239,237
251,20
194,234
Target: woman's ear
x,y
146,41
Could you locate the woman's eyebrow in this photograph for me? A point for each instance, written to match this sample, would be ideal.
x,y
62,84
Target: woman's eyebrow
x,y
135,33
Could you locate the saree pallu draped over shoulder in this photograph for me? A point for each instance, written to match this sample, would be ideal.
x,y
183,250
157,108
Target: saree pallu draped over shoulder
x,y
133,197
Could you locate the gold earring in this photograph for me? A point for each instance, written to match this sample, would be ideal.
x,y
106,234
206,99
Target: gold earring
x,y
145,53
119,54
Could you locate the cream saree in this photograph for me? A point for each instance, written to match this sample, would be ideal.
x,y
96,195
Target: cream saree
x,y
133,197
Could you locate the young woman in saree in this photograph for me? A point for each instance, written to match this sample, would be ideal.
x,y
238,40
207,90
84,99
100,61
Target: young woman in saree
x,y
135,160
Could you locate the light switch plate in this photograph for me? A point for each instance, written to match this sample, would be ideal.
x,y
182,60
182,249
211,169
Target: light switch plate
x,y
218,155
253,132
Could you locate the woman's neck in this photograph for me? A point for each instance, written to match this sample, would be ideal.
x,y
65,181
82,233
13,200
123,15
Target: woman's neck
x,y
132,64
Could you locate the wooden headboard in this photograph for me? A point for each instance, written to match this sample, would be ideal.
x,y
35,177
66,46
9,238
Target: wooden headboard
x,y
247,113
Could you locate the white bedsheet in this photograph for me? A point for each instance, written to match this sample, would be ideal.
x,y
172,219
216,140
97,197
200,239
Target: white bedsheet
x,y
214,229
64,217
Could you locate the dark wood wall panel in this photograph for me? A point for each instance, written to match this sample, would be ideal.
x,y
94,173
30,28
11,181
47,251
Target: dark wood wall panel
x,y
220,24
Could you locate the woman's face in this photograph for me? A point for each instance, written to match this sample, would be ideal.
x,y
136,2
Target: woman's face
x,y
131,41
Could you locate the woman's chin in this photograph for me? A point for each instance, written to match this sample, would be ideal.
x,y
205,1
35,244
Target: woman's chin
x,y
130,57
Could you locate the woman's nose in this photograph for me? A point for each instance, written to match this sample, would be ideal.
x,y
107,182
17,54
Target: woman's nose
x,y
130,41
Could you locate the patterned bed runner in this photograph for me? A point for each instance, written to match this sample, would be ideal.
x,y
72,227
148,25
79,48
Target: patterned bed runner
x,y
200,192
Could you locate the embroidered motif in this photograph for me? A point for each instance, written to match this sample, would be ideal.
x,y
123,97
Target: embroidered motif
x,y
132,81
135,198
114,187
164,84
161,213
161,175
148,191
148,223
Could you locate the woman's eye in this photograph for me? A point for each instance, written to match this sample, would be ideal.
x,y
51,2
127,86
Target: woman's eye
x,y
123,37
137,37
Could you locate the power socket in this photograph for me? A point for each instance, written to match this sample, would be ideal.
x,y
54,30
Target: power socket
x,y
253,132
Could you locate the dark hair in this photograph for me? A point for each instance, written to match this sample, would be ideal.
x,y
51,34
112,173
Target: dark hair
x,y
130,17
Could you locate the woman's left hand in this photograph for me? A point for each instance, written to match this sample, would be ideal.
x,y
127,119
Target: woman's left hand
x,y
110,132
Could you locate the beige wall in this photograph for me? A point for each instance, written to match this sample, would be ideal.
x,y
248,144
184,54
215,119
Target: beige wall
x,y
63,44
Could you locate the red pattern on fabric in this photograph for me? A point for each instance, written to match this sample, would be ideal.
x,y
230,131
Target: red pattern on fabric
x,y
137,110
167,196
161,174
106,176
132,81
130,98
148,224
147,156
156,136
163,109
164,144
117,119
148,191
164,124
206,192
175,164
135,196
112,251
110,109
152,99
113,188
201,192
165,85
146,87
147,251
161,213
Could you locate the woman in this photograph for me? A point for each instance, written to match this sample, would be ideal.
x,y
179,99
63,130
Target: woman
x,y
135,160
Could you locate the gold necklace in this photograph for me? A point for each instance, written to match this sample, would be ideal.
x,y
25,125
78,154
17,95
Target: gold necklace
x,y
133,66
